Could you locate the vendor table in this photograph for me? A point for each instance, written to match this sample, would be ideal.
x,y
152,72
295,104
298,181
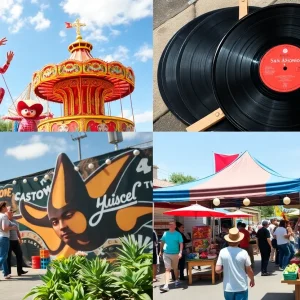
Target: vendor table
x,y
297,287
201,262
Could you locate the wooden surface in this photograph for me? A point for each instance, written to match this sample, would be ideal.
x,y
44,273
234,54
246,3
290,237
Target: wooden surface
x,y
207,121
243,11
297,287
201,262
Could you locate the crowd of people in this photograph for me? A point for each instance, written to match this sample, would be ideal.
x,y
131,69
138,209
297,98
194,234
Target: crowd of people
x,y
10,241
275,242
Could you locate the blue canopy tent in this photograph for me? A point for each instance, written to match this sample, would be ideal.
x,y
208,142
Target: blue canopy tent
x,y
246,177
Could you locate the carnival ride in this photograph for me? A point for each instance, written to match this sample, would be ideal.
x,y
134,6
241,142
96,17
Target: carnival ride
x,y
85,86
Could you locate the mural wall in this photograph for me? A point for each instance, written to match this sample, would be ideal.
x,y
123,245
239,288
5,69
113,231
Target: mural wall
x,y
79,209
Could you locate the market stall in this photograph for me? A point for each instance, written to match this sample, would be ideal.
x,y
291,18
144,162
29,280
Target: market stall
x,y
245,182
204,252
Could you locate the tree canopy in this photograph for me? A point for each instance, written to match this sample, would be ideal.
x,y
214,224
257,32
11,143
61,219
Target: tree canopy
x,y
5,126
179,178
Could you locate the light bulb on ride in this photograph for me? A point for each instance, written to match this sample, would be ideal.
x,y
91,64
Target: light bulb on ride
x,y
136,152
216,202
14,182
76,169
24,180
46,176
91,166
35,179
286,200
246,201
108,161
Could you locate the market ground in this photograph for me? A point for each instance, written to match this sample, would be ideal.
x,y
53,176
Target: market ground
x,y
17,287
169,16
266,288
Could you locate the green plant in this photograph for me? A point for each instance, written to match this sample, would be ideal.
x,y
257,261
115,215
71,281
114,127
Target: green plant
x,y
132,255
78,278
135,285
74,291
97,278
48,291
67,268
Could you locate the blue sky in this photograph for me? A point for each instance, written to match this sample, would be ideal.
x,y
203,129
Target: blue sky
x,y
118,29
23,154
192,153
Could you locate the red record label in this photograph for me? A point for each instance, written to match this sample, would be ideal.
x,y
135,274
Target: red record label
x,y
279,68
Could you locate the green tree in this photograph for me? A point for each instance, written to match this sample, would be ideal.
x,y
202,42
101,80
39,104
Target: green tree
x,y
5,126
179,178
266,211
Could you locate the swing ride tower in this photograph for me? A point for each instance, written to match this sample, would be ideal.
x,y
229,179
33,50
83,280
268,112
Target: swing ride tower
x,y
85,86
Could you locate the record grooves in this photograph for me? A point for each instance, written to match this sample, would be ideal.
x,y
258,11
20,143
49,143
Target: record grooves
x,y
167,73
194,67
193,100
256,70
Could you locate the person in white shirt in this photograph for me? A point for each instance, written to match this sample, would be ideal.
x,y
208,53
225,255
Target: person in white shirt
x,y
283,241
235,263
4,239
271,229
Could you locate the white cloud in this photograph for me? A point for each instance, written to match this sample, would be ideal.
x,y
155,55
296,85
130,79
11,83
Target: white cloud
x,y
30,151
15,13
62,34
145,136
96,35
139,118
35,139
120,54
44,6
11,13
17,26
37,146
144,53
39,21
115,32
108,13
147,116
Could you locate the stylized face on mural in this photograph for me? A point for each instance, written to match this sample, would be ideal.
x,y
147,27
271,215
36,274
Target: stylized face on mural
x,y
85,214
70,207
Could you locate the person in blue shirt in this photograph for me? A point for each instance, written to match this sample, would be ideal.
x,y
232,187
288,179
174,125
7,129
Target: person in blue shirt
x,y
181,263
171,247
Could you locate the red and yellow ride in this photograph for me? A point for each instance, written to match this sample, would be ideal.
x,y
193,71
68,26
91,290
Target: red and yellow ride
x,y
84,85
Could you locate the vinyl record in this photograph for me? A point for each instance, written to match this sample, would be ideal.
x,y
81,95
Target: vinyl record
x,y
256,70
194,67
166,74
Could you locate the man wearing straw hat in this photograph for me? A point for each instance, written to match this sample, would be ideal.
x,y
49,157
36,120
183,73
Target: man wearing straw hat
x,y
236,265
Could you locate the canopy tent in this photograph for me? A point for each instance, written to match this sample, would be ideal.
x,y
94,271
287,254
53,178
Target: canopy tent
x,y
237,214
195,211
245,177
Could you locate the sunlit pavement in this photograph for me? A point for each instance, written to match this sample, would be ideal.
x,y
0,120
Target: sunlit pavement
x,y
17,287
266,287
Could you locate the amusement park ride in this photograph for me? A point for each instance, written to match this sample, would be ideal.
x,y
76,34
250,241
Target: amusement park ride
x,y
85,86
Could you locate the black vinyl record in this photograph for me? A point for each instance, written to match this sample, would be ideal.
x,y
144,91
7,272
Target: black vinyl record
x,y
166,74
194,67
256,70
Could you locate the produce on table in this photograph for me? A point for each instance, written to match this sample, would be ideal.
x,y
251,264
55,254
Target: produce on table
x,y
291,269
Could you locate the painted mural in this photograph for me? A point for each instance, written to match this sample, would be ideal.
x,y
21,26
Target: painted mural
x,y
75,209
